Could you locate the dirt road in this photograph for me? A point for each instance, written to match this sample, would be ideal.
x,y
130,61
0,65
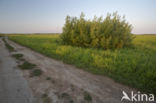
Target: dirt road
x,y
13,86
59,83
66,77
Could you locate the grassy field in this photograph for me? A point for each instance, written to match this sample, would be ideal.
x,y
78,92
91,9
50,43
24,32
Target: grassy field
x,y
134,66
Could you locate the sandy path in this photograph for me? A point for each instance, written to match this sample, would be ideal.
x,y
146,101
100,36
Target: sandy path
x,y
101,88
13,86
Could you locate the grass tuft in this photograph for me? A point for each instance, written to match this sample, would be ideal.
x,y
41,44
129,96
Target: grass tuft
x,y
10,48
48,78
47,100
44,95
71,101
36,72
64,95
26,66
18,56
87,96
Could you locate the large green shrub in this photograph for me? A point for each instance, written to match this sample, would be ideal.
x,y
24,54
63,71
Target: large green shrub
x,y
111,32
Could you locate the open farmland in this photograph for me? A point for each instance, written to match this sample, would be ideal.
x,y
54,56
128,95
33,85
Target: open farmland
x,y
134,66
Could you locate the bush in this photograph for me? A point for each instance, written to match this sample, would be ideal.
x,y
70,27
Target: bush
x,y
109,33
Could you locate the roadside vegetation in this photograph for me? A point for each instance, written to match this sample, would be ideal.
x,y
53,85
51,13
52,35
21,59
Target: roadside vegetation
x,y
133,66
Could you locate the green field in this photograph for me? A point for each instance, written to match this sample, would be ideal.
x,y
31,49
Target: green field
x,y
134,66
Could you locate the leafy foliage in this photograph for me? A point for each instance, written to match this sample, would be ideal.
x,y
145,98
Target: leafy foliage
x,y
109,33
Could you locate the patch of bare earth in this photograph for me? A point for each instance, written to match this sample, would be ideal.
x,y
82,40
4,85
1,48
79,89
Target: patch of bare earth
x,y
63,83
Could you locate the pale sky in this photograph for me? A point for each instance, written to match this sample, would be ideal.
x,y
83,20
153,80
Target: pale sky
x,y
48,16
